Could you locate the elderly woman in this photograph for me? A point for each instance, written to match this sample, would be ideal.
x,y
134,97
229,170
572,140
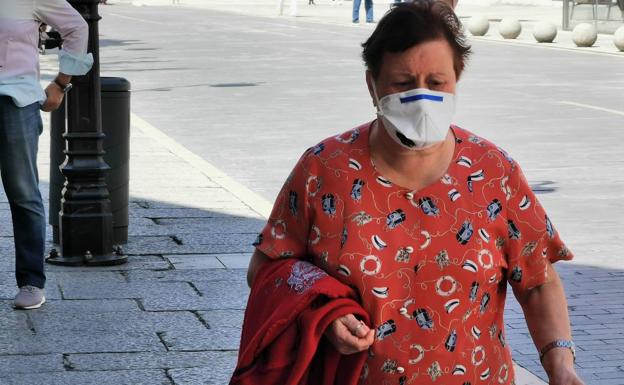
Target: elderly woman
x,y
427,221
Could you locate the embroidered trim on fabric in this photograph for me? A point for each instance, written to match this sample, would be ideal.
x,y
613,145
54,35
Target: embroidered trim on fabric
x,y
303,276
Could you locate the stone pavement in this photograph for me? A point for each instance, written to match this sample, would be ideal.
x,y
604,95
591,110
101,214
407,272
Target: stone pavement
x,y
172,315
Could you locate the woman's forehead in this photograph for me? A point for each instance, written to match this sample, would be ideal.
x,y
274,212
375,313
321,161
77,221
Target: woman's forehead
x,y
434,55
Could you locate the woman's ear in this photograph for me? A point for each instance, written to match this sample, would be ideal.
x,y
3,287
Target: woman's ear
x,y
369,83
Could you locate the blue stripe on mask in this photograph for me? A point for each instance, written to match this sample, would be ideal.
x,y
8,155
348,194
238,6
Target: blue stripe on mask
x,y
413,98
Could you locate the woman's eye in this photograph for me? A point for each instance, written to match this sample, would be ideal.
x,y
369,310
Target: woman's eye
x,y
436,83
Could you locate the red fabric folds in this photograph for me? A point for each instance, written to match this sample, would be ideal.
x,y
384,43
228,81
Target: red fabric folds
x,y
291,304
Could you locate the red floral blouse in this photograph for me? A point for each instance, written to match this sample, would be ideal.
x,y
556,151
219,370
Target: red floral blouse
x,y
431,266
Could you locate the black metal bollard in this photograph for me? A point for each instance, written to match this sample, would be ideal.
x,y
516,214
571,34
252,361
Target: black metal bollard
x,y
86,219
116,127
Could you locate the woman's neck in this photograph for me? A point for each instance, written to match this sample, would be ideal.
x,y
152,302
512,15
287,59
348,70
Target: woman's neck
x,y
413,169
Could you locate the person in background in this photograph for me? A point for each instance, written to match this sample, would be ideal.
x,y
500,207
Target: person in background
x,y
21,98
368,7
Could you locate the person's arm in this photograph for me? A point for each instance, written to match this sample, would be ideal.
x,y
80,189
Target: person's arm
x,y
546,313
73,57
55,91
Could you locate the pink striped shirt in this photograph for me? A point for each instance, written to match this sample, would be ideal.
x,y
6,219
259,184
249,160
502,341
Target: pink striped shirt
x,y
19,37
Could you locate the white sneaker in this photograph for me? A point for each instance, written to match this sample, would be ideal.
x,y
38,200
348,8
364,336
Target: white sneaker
x,y
29,297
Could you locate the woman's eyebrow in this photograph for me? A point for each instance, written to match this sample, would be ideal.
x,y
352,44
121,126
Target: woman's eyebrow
x,y
403,73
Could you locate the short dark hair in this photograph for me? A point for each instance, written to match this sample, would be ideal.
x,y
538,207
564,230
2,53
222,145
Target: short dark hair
x,y
409,24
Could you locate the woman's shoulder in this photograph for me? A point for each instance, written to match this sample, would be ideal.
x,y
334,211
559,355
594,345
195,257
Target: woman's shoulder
x,y
480,148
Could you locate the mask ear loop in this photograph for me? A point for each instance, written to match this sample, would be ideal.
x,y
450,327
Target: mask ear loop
x,y
377,103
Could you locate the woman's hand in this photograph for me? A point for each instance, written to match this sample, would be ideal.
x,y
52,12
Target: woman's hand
x,y
564,376
350,335
54,97
559,365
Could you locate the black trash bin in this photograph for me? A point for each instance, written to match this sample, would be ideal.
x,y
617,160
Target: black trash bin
x,y
116,127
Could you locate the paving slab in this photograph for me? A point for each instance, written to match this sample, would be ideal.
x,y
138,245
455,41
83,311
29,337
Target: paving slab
x,y
151,360
29,363
111,290
224,338
191,244
238,276
125,377
97,306
235,261
112,322
205,375
214,295
23,343
8,290
216,319
191,226
192,262
191,213
135,262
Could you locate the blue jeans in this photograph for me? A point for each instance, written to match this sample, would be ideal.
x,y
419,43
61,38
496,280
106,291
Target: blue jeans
x,y
20,128
368,6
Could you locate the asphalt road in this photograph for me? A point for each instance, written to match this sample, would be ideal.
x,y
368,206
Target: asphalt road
x,y
251,94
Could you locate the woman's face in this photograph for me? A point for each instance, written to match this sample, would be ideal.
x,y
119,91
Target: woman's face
x,y
426,65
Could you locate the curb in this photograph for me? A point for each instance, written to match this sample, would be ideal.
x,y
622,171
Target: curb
x,y
244,194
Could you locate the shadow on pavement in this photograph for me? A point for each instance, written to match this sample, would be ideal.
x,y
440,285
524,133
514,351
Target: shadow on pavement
x,y
118,42
171,315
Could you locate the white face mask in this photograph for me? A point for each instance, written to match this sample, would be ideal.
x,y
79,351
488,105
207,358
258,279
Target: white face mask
x,y
417,118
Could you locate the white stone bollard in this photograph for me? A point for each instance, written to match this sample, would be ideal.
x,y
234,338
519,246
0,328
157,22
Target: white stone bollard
x,y
618,38
478,25
544,32
293,7
509,28
584,35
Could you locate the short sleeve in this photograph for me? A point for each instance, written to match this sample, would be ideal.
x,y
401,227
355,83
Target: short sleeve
x,y
285,234
532,241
